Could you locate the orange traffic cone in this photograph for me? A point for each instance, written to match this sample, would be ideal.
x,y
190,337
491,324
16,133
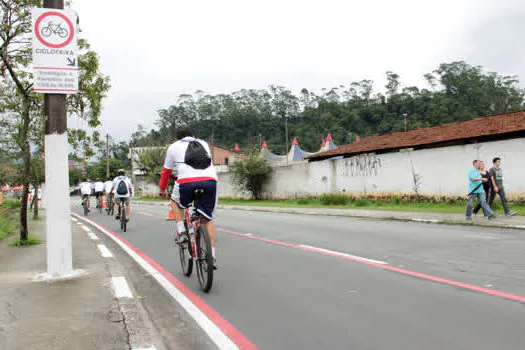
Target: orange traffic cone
x,y
170,217
104,204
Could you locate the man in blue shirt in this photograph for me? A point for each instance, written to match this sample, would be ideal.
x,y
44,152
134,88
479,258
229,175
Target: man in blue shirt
x,y
476,191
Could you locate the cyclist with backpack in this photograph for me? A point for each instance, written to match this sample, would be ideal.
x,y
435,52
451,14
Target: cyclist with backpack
x,y
122,189
192,157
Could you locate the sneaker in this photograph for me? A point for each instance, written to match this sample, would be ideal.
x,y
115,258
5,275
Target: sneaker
x,y
511,213
492,217
117,217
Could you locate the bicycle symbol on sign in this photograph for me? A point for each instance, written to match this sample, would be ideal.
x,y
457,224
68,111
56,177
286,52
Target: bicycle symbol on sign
x,y
55,29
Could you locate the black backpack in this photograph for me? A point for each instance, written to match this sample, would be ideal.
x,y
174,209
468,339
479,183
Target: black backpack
x,y
122,188
196,156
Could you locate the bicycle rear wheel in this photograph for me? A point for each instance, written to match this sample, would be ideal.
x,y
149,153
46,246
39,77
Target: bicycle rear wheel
x,y
186,260
204,259
85,205
123,221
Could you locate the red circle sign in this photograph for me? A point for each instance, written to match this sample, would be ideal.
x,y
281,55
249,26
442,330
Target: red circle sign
x,y
57,30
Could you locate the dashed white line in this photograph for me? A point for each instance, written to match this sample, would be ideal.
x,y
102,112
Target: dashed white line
x,y
248,234
85,228
104,251
121,287
344,254
75,220
150,348
92,236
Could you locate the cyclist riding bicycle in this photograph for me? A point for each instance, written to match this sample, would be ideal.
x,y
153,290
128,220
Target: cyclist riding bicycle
x,y
99,190
85,191
192,157
107,188
121,190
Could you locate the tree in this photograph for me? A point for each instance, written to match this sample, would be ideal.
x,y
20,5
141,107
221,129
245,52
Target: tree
x,y
17,97
37,178
250,175
20,109
151,162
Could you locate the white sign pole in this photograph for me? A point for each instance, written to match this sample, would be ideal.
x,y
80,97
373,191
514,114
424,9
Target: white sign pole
x,y
56,75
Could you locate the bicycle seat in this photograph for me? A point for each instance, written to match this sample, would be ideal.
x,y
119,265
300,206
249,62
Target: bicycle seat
x,y
198,191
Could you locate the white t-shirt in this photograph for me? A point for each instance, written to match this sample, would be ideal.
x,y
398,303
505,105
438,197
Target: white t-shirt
x,y
107,186
175,157
99,186
128,184
85,188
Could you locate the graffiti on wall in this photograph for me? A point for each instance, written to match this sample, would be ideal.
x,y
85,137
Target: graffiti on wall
x,y
361,165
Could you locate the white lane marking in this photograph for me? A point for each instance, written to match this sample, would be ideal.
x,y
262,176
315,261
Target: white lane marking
x,y
85,228
518,226
479,237
344,254
92,236
425,220
104,251
150,348
75,220
214,332
121,288
248,234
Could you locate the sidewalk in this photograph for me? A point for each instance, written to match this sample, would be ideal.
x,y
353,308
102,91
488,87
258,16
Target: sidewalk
x,y
76,313
516,222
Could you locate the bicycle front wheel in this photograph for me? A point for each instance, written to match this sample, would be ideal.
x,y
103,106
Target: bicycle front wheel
x,y
204,259
85,205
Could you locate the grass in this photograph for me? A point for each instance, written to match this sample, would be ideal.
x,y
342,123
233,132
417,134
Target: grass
x,y
31,240
11,204
7,222
394,205
149,198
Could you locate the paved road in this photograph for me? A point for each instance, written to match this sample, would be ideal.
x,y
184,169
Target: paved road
x,y
294,297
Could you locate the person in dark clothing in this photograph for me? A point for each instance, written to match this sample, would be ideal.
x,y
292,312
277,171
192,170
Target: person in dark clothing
x,y
497,185
487,186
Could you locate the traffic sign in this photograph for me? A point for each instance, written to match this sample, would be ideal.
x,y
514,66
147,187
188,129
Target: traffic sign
x,y
55,63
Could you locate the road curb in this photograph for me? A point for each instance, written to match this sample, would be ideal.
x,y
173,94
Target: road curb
x,y
357,216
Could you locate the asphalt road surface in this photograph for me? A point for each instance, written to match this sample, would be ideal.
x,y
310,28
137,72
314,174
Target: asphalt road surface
x,y
310,282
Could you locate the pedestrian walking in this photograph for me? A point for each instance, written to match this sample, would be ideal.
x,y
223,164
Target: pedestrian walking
x,y
476,192
497,181
487,185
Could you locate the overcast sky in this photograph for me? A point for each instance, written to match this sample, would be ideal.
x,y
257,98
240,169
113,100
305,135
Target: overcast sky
x,y
155,50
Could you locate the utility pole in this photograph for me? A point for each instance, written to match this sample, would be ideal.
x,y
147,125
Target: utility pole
x,y
58,225
286,132
405,116
107,156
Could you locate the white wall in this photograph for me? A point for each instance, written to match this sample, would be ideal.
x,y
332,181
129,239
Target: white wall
x,y
442,171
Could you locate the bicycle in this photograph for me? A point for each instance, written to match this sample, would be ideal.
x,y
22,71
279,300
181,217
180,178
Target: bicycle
x,y
85,200
122,214
110,209
99,203
197,246
54,29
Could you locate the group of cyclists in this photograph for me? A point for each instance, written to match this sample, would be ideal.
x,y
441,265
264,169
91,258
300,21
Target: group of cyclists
x,y
113,191
190,159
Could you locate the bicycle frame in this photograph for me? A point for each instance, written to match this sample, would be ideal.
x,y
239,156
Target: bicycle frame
x,y
193,220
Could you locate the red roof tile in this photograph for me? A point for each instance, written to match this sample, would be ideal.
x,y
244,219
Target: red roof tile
x,y
477,127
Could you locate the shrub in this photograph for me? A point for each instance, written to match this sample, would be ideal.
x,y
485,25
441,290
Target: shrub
x,y
334,199
362,202
396,200
11,203
303,201
250,175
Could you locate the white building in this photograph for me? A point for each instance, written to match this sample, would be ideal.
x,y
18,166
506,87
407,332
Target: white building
x,y
433,160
